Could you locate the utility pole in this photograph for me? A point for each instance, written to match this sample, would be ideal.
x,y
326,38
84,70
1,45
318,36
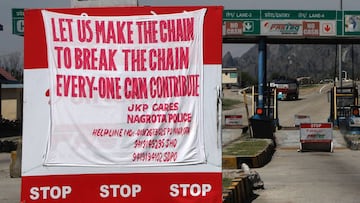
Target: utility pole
x,y
339,48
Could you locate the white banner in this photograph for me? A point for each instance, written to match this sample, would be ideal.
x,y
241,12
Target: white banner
x,y
125,90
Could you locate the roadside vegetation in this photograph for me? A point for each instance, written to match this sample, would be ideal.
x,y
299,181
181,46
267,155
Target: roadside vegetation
x,y
228,104
226,182
249,147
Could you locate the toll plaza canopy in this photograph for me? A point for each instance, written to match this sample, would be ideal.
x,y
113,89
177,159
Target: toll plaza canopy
x,y
291,26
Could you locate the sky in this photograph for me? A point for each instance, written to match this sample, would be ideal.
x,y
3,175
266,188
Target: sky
x,y
10,43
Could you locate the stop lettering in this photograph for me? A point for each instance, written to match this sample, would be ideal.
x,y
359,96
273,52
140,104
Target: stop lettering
x,y
47,192
185,190
115,190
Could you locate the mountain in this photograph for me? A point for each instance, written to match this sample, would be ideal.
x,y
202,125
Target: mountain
x,y
317,61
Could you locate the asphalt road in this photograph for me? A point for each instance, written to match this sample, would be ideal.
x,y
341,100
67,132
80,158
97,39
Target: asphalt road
x,y
307,177
9,187
311,177
313,102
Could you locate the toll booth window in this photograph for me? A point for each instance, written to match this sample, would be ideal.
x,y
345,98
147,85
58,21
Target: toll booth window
x,y
233,75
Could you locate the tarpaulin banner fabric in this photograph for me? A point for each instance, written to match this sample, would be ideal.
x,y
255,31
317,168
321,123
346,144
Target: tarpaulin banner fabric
x,y
125,90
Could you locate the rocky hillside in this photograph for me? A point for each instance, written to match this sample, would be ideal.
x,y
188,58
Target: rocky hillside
x,y
298,60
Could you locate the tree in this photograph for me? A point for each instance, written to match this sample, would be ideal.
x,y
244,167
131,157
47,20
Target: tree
x,y
14,64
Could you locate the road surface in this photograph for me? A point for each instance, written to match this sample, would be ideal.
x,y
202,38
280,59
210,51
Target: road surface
x,y
311,177
307,177
9,187
313,101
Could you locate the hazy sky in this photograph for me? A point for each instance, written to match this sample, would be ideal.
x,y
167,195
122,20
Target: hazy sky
x,y
11,43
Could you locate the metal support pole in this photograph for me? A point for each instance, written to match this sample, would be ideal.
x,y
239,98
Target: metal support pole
x,y
261,72
340,68
339,49
0,100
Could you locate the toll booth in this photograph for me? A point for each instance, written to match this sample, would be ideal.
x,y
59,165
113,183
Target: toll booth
x,y
270,109
342,100
264,120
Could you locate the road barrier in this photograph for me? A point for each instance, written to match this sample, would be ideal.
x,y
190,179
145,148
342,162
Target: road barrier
x,y
239,191
254,161
316,137
7,146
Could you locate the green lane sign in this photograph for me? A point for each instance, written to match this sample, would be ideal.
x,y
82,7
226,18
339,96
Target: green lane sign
x,y
276,22
280,14
298,14
18,21
339,23
247,20
241,14
249,26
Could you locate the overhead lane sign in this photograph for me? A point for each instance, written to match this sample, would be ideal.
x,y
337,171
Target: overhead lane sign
x,y
299,23
241,22
298,27
298,14
18,21
241,14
